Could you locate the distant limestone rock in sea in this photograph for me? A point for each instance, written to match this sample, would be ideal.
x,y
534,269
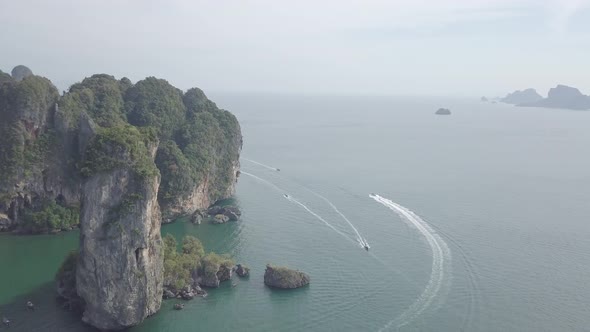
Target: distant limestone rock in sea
x,y
443,111
562,96
484,99
522,97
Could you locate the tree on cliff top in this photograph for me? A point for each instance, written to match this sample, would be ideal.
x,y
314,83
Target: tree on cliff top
x,y
154,102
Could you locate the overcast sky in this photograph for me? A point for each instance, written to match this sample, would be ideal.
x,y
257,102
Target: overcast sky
x,y
457,47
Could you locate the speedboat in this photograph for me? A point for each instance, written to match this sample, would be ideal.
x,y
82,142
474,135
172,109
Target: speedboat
x,y
286,196
278,169
372,194
366,247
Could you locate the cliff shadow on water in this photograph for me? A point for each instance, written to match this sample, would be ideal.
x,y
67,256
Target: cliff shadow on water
x,y
47,315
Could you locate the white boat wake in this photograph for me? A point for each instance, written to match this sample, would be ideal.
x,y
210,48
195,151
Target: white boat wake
x,y
261,164
293,200
440,260
361,241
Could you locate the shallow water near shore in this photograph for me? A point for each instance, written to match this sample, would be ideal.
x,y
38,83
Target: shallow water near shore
x,y
505,189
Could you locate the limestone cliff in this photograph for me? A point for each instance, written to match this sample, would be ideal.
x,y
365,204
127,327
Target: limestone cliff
x,y
45,136
119,273
33,170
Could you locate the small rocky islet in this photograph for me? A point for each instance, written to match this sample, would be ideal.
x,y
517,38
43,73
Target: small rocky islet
x,y
285,278
443,111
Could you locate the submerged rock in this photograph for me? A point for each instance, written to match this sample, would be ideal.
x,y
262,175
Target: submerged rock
x,y
282,277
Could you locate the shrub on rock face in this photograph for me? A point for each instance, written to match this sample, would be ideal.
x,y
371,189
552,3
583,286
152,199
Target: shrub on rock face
x,y
282,277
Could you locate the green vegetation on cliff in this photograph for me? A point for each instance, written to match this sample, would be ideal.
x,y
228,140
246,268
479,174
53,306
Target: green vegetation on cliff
x,y
52,216
24,108
100,96
102,123
123,146
154,102
180,267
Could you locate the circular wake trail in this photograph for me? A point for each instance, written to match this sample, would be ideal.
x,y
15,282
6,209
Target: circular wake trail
x,y
261,164
293,200
440,254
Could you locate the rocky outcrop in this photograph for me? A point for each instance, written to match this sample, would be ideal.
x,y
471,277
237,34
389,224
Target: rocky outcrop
x,y
222,214
213,280
20,72
242,270
562,97
443,111
282,277
120,266
522,97
484,99
204,194
198,216
5,222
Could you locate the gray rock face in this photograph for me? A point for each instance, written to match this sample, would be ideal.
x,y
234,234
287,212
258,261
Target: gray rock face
x,y
522,97
5,223
223,273
20,72
223,214
282,277
563,97
242,270
120,265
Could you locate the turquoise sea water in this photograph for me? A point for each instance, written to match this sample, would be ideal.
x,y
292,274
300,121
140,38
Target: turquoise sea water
x,y
499,241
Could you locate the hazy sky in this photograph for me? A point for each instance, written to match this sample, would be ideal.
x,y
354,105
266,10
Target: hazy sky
x,y
459,47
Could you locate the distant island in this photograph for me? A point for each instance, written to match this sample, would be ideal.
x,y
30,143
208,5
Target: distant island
x,y
443,111
561,96
521,97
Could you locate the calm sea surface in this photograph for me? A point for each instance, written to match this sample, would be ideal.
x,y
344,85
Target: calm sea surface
x,y
481,223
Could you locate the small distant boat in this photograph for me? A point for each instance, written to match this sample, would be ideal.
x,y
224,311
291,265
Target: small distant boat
x,y
178,306
278,169
234,284
372,194
367,247
286,196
